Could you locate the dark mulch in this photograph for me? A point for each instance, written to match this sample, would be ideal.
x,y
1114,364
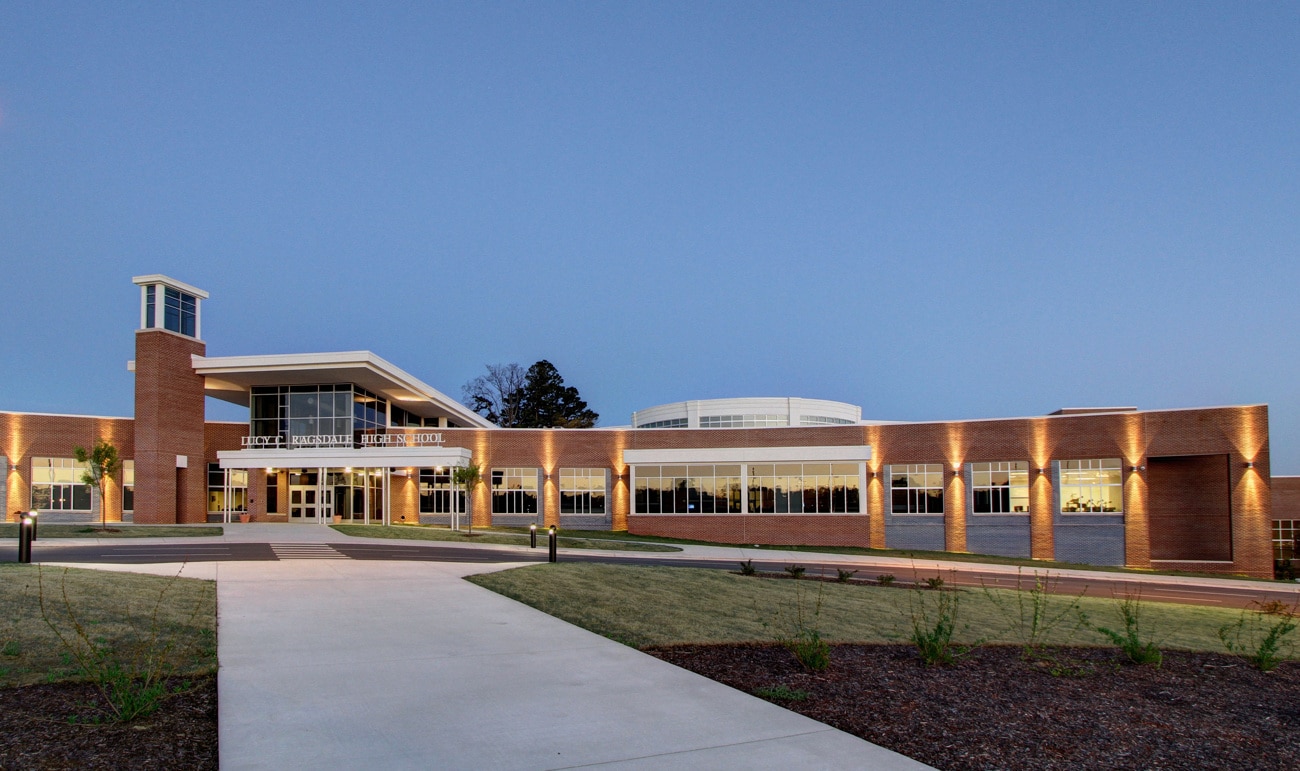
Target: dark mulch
x,y
51,727
991,710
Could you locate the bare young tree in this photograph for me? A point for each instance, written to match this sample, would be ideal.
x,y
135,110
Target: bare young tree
x,y
497,395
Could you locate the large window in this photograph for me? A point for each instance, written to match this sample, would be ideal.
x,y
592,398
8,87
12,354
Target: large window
x,y
1284,538
582,491
514,491
293,413
438,494
128,485
1000,488
669,423
1092,486
218,487
57,485
917,488
804,488
699,489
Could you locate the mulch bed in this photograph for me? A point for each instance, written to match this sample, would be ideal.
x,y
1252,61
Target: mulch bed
x,y
53,727
1078,708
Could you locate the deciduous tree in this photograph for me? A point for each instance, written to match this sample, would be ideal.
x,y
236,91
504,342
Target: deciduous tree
x,y
102,464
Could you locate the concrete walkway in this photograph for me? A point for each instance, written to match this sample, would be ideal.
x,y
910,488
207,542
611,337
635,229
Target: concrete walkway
x,y
352,664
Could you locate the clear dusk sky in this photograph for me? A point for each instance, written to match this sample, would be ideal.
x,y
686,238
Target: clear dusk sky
x,y
933,210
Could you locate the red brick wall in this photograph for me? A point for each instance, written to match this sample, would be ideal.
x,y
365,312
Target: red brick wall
x,y
1191,511
169,407
23,436
1286,497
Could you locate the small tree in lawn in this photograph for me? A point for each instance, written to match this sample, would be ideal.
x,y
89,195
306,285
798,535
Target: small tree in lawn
x,y
102,464
468,477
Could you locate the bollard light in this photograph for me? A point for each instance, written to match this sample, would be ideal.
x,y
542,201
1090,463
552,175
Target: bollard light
x,y
553,540
532,536
34,515
25,540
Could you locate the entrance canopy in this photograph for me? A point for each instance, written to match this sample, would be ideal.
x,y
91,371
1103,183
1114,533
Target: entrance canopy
x,y
232,378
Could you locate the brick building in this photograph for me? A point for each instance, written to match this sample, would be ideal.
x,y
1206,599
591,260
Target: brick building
x,y
348,436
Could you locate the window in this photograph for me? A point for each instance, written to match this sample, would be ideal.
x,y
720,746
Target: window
x,y
272,492
438,494
179,310
1091,486
1284,538
1000,488
218,487
128,485
743,421
670,423
917,488
514,491
582,491
700,489
823,420
57,485
804,488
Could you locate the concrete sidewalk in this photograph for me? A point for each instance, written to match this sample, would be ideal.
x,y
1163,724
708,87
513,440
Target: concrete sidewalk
x,y
352,664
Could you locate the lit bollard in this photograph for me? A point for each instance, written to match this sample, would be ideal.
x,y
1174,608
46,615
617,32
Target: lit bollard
x,y
25,540
532,536
35,520
554,540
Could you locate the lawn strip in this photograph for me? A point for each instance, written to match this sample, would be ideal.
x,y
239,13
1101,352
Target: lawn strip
x,y
692,605
115,530
491,536
122,611
912,554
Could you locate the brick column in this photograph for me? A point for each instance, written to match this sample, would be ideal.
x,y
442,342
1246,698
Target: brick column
x,y
954,511
169,412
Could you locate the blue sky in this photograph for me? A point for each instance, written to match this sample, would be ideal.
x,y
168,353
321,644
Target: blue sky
x,y
934,210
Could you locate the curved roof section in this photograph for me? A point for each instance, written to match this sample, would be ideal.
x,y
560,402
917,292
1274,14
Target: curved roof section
x,y
231,379
762,411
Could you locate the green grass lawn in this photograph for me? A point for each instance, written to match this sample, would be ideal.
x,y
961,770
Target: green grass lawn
x,y
122,612
916,554
116,530
512,537
642,606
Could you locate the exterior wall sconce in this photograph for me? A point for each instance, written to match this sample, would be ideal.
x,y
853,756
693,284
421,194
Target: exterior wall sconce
x,y
1137,468
1250,464
1042,471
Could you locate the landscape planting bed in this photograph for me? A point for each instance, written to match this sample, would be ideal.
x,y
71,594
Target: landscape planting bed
x,y
1073,708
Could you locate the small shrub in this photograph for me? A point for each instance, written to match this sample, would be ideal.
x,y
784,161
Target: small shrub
x,y
795,571
933,617
801,634
134,683
747,568
1034,614
934,583
1137,645
780,693
1258,639
810,649
885,579
843,576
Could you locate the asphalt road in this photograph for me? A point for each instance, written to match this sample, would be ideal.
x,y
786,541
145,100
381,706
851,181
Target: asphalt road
x,y
1241,594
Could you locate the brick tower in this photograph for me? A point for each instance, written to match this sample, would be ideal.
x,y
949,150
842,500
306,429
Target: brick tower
x,y
170,470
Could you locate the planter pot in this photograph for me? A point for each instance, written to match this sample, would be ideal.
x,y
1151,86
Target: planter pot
x,y
245,518
338,519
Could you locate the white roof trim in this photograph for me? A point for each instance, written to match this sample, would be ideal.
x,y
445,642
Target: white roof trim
x,y
748,455
158,278
325,457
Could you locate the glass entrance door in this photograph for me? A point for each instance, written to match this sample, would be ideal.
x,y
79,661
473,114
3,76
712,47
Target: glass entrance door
x,y
308,500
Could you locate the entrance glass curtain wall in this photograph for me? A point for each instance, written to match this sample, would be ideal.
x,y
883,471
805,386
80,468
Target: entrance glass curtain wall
x,y
356,496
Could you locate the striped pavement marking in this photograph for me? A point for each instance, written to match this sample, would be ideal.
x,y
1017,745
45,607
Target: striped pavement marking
x,y
307,551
